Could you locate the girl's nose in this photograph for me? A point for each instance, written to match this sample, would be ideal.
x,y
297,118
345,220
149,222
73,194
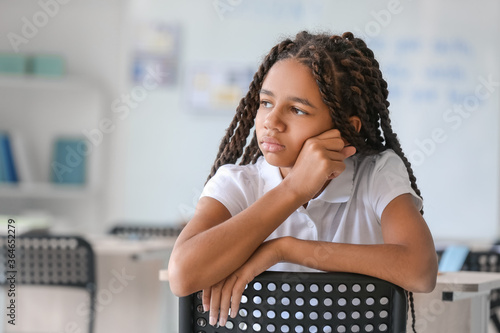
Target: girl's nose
x,y
274,121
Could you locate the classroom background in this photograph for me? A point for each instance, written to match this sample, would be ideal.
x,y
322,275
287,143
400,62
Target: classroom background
x,y
111,112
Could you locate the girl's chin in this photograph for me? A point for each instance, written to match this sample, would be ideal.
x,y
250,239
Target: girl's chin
x,y
276,161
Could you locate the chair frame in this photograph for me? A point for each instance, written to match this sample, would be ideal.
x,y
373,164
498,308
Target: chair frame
x,y
28,247
138,231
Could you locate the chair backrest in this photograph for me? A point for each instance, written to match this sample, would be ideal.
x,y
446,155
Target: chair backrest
x,y
482,261
485,261
307,303
144,232
52,261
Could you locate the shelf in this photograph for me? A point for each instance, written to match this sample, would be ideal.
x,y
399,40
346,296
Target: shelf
x,y
36,111
45,83
45,191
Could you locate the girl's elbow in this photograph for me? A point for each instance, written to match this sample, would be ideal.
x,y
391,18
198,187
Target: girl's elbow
x,y
424,279
425,284
176,286
178,280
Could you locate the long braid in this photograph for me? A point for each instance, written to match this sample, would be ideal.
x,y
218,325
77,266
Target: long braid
x,y
252,151
391,140
357,79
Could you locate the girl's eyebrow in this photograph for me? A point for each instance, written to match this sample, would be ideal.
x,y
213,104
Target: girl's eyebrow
x,y
300,100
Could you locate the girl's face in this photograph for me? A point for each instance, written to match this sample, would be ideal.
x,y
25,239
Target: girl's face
x,y
291,111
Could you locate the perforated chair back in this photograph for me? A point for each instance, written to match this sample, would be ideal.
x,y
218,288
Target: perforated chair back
x,y
307,303
52,261
482,261
144,232
486,261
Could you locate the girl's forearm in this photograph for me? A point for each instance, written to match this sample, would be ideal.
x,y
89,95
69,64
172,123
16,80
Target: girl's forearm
x,y
219,250
399,264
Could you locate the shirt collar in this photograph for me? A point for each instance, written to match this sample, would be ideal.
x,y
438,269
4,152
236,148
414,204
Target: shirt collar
x,y
270,174
339,190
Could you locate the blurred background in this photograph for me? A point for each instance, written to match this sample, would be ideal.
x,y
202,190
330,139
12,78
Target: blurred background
x,y
111,112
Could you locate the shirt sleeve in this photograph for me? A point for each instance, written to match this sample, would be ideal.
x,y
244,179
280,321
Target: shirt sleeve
x,y
230,187
389,180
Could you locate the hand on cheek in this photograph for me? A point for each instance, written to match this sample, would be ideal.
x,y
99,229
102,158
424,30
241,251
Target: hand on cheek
x,y
347,151
320,159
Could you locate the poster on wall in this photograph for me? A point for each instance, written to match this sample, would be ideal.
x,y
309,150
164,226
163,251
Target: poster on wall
x,y
156,48
216,88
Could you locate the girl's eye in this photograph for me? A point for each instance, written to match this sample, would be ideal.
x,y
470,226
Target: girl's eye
x,y
298,111
266,104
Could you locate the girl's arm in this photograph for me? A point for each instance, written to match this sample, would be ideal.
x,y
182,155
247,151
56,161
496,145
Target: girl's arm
x,y
407,258
208,250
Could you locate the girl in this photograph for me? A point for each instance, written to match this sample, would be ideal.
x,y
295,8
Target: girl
x,y
323,184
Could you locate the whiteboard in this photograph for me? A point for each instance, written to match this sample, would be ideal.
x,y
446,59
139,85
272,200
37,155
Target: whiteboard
x,y
444,81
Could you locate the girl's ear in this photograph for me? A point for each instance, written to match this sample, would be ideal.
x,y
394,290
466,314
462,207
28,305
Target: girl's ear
x,y
356,122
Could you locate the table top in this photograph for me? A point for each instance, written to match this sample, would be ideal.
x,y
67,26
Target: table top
x,y
468,281
112,245
164,275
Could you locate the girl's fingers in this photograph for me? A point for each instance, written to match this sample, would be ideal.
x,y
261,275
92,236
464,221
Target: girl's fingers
x,y
206,299
330,134
236,298
215,303
225,300
348,151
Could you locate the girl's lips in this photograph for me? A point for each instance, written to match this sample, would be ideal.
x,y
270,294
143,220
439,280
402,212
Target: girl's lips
x,y
271,145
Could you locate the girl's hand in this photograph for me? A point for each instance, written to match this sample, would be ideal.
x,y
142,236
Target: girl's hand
x,y
320,159
226,295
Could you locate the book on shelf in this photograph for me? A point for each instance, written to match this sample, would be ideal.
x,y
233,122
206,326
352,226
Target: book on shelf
x,y
24,166
69,162
15,166
8,170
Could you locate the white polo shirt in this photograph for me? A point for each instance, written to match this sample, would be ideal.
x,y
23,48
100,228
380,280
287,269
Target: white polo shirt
x,y
349,210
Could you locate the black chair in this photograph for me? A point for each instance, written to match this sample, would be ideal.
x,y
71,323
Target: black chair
x,y
486,261
66,261
139,231
307,303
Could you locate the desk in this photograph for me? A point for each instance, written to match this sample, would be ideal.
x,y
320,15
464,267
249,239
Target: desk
x,y
459,303
144,304
136,249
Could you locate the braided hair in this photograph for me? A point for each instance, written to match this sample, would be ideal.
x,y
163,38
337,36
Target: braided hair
x,y
350,83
